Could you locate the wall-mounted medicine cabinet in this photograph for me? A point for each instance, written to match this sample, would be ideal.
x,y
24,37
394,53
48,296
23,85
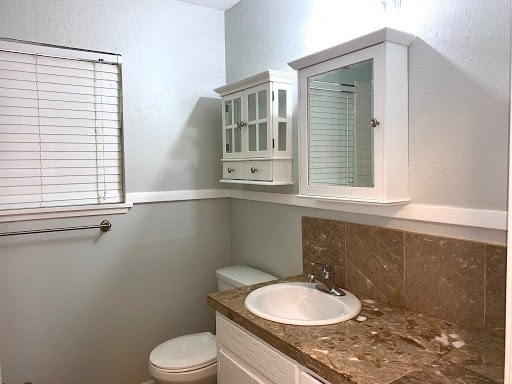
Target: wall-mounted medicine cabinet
x,y
353,120
256,129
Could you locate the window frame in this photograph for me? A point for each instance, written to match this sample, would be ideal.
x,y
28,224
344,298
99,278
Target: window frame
x,y
23,214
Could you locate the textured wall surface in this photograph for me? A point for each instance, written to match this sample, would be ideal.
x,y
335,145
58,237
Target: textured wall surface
x,y
77,309
170,67
459,80
459,77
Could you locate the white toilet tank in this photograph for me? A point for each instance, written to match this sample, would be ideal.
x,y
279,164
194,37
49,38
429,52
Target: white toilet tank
x,y
240,276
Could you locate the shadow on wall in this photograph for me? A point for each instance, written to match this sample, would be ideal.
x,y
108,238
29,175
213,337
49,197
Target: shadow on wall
x,y
194,159
457,130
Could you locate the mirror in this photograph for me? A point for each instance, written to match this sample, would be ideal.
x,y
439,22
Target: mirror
x,y
340,137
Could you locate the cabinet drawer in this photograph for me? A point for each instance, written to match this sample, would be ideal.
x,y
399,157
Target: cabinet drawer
x,y
260,170
263,358
233,170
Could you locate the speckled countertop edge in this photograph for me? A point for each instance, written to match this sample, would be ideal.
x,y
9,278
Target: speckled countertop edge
x,y
391,346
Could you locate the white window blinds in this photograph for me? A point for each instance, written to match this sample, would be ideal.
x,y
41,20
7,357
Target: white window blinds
x,y
60,132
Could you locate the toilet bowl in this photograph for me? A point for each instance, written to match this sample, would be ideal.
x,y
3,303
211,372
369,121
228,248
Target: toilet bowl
x,y
192,359
185,359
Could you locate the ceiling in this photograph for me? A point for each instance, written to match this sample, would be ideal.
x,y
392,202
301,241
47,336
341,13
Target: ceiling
x,y
220,5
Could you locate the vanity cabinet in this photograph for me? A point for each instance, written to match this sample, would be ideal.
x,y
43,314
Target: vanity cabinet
x,y
243,358
353,120
256,129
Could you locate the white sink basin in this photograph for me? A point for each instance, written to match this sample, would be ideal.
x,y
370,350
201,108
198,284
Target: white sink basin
x,y
301,304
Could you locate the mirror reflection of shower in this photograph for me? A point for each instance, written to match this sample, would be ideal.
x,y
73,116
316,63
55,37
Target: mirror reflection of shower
x,y
340,138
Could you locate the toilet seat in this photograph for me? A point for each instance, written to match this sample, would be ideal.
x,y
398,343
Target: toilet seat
x,y
185,353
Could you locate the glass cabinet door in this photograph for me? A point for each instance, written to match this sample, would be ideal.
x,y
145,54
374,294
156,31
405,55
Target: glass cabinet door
x,y
258,138
232,126
282,115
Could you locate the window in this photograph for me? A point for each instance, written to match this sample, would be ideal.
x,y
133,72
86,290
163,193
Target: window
x,y
60,128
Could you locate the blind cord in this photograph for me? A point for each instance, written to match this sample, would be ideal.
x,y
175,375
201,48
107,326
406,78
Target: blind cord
x,y
97,134
39,133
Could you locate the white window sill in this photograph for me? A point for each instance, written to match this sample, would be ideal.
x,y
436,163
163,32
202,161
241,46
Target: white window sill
x,y
62,212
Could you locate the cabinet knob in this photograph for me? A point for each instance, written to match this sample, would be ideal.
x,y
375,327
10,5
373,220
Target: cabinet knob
x,y
231,170
241,124
253,170
374,122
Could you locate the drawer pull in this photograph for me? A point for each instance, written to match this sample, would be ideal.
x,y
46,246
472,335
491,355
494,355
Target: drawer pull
x,y
231,170
253,170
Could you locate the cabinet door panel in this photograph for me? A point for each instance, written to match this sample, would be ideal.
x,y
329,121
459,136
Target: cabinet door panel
x,y
231,126
258,110
230,371
281,120
308,379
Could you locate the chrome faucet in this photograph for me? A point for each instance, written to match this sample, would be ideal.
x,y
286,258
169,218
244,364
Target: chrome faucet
x,y
324,282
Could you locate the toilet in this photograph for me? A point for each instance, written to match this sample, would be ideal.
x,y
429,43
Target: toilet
x,y
192,359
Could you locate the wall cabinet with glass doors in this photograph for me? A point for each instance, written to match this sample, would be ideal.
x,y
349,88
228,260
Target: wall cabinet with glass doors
x,y
256,129
353,120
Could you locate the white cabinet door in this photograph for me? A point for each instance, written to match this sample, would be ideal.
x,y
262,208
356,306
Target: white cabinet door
x,y
229,371
308,379
231,126
258,136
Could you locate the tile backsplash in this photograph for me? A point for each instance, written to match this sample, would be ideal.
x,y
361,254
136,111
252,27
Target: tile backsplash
x,y
459,281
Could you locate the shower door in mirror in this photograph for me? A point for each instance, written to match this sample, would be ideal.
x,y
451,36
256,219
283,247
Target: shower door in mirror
x,y
340,137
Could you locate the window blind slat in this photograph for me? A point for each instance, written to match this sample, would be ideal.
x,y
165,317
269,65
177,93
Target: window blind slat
x,y
20,181
80,156
84,171
75,179
60,132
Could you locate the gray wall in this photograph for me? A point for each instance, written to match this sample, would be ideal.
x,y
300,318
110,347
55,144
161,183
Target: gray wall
x,y
75,308
79,308
459,78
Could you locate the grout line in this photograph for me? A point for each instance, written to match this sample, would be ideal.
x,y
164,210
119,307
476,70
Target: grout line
x,y
485,288
346,254
403,233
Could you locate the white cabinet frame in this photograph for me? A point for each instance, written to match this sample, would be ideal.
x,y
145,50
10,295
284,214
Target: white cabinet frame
x,y
270,164
388,50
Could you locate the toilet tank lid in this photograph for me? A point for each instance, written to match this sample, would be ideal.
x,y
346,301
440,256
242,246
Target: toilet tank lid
x,y
242,275
185,352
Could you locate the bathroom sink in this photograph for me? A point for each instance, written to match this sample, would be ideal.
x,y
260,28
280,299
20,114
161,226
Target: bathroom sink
x,y
299,303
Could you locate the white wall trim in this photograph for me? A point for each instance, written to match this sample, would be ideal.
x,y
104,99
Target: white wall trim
x,y
169,196
477,218
508,292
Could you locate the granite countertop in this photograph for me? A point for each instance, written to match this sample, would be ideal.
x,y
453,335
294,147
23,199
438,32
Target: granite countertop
x,y
391,346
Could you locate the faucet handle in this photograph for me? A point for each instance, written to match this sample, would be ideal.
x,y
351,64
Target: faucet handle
x,y
325,270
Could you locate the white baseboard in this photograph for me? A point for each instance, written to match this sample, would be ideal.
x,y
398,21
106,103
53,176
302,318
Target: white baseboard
x,y
477,218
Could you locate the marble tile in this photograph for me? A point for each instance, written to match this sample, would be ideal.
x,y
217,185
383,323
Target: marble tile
x,y
323,241
484,356
362,355
495,285
375,262
431,334
390,346
443,372
445,278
